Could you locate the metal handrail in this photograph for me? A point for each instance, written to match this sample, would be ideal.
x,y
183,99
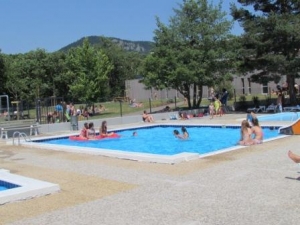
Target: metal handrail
x,y
20,134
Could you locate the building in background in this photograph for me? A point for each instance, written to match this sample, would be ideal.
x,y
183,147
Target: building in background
x,y
242,85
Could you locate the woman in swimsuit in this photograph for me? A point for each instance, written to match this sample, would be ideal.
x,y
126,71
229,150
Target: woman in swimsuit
x,y
245,134
91,134
83,132
257,131
103,130
147,117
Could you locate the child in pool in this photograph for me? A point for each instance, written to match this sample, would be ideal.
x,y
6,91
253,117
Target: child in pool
x,y
185,134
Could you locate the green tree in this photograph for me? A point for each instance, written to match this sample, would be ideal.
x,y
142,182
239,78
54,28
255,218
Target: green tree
x,y
126,65
88,71
17,82
34,68
2,72
191,52
56,70
271,41
35,74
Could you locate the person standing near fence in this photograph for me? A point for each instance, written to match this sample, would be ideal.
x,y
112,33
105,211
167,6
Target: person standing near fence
x,y
217,104
224,96
279,101
211,110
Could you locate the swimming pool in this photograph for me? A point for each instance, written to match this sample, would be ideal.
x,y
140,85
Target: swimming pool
x,y
6,185
15,187
158,142
285,116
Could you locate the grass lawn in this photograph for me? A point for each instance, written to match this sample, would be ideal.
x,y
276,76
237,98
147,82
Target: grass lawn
x,y
115,109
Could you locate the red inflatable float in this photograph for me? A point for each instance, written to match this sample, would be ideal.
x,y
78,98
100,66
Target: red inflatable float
x,y
98,137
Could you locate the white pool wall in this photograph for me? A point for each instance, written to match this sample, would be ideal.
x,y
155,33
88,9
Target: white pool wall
x,y
29,187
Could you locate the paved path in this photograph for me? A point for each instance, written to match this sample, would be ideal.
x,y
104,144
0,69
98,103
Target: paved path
x,y
255,185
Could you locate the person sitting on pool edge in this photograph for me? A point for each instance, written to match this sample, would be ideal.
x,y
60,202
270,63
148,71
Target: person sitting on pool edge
x,y
147,118
103,130
83,132
257,131
245,134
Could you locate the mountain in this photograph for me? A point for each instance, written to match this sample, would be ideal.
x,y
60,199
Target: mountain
x,y
143,47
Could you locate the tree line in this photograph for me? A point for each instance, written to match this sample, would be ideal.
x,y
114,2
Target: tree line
x,y
195,49
83,74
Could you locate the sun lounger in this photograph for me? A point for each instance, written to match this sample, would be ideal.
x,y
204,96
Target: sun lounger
x,y
257,110
271,108
291,108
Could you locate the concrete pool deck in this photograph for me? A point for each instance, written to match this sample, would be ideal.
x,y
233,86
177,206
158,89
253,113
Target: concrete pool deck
x,y
254,185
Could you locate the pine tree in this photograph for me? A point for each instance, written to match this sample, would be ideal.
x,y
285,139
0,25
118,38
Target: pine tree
x,y
271,40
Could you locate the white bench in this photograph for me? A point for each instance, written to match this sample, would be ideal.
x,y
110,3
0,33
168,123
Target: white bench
x,y
34,130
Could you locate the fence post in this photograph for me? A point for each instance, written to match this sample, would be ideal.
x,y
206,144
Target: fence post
x,y
175,102
234,93
38,111
120,107
150,105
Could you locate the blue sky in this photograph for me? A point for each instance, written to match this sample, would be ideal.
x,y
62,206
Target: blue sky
x,y
52,24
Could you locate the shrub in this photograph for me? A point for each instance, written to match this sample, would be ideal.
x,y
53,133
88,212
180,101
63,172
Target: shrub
x,y
255,100
242,102
242,99
170,100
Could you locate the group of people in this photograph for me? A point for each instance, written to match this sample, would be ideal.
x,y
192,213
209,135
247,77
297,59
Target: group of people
x,y
63,112
251,132
218,103
90,111
88,131
250,127
184,135
215,108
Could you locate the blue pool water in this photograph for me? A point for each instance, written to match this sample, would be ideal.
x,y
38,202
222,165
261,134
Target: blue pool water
x,y
2,188
160,140
286,116
6,185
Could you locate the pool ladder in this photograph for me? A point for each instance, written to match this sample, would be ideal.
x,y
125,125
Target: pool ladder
x,y
20,135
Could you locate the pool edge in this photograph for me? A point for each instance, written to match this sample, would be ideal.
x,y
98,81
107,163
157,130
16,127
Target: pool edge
x,y
30,188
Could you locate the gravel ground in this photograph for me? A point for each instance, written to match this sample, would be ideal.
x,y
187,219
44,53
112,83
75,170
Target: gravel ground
x,y
254,185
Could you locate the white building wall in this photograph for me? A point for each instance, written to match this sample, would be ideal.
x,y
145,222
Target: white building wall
x,y
241,85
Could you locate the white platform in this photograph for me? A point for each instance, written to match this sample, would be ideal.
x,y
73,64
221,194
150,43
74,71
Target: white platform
x,y
30,188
